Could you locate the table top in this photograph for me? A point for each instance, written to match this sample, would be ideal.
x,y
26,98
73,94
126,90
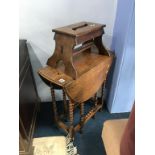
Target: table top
x,y
92,69
84,62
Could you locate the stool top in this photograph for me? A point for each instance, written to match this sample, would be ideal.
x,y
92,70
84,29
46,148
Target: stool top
x,y
79,29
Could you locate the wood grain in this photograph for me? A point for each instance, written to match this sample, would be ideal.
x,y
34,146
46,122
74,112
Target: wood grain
x,y
87,84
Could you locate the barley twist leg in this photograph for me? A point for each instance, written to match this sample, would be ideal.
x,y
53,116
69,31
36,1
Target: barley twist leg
x,y
81,115
65,104
54,104
71,118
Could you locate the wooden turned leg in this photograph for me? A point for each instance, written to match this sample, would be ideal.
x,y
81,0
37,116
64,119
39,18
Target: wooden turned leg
x,y
71,117
54,104
95,101
81,116
102,95
65,104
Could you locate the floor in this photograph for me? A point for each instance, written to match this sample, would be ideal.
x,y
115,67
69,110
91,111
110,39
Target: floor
x,y
88,143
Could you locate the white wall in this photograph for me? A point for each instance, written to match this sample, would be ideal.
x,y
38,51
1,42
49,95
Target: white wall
x,y
39,17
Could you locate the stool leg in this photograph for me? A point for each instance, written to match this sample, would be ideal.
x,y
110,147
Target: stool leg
x,y
54,104
100,46
81,116
65,103
71,117
68,62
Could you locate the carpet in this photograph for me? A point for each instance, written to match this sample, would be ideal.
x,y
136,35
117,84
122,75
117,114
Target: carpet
x,y
88,143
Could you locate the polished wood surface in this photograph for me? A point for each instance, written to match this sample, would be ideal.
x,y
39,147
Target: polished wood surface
x,y
89,83
53,75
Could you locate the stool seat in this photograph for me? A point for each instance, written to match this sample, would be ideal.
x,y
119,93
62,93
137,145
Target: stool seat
x,y
79,29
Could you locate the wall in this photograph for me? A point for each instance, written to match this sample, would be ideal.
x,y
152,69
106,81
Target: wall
x,y
39,17
122,92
